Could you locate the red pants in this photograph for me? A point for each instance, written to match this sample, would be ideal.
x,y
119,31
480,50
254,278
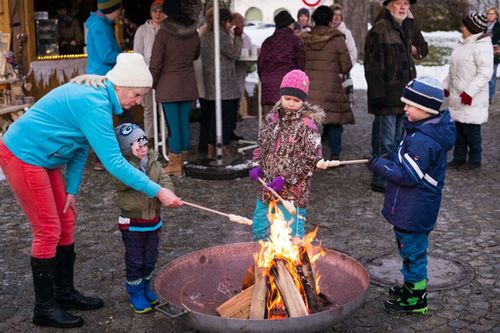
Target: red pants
x,y
41,193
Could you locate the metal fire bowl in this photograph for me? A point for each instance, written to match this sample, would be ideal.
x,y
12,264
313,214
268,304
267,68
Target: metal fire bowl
x,y
194,285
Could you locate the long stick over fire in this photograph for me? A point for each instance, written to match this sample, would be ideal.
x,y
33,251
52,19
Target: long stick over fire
x,y
322,164
232,217
289,206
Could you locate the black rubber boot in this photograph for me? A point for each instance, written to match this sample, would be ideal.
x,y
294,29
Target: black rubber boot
x,y
65,293
47,311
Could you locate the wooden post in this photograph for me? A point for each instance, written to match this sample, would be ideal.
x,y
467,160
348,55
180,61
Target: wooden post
x,y
258,303
291,296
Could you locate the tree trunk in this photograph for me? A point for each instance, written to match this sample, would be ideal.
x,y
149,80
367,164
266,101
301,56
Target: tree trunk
x,y
356,17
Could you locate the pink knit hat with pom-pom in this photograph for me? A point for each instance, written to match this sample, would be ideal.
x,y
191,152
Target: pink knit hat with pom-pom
x,y
295,83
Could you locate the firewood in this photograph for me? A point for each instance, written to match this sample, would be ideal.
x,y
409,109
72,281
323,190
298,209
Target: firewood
x,y
291,296
309,282
258,303
237,306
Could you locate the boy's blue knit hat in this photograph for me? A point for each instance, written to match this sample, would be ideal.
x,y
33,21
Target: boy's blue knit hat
x,y
424,93
127,134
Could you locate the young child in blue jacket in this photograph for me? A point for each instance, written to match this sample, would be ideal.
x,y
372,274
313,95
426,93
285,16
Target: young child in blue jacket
x,y
415,179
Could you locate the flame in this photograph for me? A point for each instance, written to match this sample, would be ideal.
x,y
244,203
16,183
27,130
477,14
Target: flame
x,y
281,246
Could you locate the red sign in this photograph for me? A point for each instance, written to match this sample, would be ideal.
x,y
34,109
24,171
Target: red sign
x,y
311,3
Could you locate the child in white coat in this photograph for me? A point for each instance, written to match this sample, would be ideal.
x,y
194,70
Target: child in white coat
x,y
466,87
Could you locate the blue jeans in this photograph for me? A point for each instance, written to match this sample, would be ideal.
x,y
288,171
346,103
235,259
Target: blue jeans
x,y
179,132
493,81
468,138
412,248
260,226
334,134
386,134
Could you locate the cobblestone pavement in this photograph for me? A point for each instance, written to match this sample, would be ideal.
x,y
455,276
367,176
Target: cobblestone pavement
x,y
342,202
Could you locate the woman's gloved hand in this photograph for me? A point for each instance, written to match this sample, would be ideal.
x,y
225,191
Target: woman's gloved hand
x,y
93,80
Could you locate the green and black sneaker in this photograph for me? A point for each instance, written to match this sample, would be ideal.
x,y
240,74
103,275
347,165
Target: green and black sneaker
x,y
412,299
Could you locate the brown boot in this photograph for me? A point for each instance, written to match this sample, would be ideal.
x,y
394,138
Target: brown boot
x,y
174,166
211,151
184,157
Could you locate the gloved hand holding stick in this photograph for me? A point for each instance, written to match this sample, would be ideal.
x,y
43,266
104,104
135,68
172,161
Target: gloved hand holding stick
x,y
287,204
232,217
322,164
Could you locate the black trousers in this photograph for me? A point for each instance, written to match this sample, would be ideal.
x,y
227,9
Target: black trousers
x,y
206,115
229,110
468,142
141,252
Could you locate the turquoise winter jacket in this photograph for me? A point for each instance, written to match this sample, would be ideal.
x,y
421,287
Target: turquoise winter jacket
x,y
102,47
58,130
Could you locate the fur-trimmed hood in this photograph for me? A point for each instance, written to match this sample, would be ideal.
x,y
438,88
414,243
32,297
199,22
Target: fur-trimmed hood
x,y
314,112
319,36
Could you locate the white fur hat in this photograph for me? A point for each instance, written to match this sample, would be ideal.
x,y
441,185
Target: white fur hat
x,y
130,71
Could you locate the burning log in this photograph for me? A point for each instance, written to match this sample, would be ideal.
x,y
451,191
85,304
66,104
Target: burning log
x,y
308,282
259,294
237,307
291,295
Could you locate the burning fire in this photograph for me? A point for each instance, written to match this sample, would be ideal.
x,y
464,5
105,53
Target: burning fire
x,y
295,254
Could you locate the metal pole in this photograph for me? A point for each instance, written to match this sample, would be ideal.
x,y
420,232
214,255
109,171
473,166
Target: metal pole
x,y
218,109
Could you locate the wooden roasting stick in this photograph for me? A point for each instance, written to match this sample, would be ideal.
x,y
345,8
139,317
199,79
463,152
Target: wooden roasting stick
x,y
287,204
322,164
232,217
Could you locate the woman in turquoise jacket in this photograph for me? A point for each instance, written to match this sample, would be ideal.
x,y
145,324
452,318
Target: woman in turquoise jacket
x,y
102,47
57,132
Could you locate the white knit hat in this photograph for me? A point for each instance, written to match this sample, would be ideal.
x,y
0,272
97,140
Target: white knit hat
x,y
130,71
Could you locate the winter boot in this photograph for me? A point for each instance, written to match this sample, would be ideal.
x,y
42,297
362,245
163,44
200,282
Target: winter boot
x,y
174,166
138,300
413,299
211,151
148,293
395,292
65,293
47,311
184,157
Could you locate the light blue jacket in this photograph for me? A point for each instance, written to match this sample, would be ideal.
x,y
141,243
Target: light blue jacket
x,y
102,47
58,129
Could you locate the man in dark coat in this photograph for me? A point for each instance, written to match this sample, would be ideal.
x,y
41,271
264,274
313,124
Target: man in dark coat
x,y
391,46
280,53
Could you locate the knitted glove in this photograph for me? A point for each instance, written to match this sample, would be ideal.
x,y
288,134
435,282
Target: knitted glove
x,y
255,173
277,183
465,99
93,80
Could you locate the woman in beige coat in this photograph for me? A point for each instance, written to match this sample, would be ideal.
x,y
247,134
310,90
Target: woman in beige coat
x,y
327,57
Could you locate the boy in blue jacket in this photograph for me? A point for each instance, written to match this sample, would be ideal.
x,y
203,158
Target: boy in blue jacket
x,y
415,179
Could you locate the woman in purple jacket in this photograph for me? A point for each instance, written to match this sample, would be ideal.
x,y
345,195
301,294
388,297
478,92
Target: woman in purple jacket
x,y
280,53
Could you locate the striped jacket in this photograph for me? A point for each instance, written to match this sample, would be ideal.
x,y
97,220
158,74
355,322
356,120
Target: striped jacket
x,y
415,176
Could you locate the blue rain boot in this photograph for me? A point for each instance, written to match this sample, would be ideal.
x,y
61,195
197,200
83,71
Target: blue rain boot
x,y
148,293
138,301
